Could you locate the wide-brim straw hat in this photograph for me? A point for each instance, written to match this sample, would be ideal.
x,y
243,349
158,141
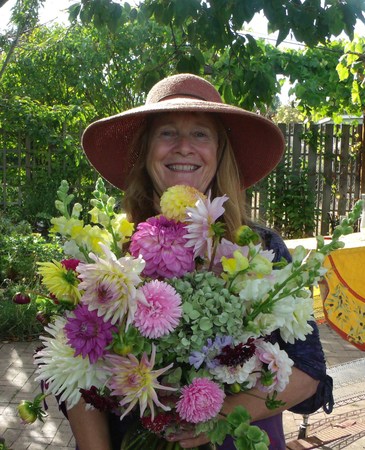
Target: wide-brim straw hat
x,y
258,143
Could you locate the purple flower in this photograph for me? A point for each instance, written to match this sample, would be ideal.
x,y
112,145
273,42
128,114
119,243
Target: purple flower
x,y
161,243
209,352
87,333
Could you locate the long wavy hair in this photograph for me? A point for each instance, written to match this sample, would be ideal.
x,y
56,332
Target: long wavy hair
x,y
138,199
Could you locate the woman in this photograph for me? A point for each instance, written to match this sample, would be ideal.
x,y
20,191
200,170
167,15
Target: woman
x,y
184,134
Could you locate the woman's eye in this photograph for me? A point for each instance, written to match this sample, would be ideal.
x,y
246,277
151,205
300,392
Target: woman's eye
x,y
167,133
200,134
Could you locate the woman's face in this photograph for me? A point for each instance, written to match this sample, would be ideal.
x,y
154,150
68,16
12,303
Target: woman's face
x,y
183,150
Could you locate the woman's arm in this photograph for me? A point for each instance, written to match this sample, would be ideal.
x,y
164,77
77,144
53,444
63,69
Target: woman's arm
x,y
90,427
300,387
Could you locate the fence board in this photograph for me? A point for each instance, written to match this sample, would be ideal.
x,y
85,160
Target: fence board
x,y
344,167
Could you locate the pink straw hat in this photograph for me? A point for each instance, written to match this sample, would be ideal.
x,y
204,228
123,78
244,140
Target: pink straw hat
x,y
258,143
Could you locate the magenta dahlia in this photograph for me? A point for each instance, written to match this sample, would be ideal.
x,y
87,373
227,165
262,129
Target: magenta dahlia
x,y
87,333
161,243
160,311
200,401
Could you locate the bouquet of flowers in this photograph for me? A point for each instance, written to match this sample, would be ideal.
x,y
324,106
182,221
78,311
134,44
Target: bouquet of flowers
x,y
166,320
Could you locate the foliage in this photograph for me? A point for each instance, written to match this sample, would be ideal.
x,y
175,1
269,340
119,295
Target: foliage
x,y
352,65
59,79
288,114
290,205
20,250
218,22
315,81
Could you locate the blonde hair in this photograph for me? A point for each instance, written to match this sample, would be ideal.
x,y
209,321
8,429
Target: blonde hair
x,y
138,199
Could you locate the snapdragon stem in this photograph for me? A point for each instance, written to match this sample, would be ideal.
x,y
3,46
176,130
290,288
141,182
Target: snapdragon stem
x,y
271,298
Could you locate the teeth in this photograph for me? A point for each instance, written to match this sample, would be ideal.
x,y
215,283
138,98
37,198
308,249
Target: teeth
x,y
182,167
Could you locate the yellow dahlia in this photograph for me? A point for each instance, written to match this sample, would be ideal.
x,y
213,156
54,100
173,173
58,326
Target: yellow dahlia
x,y
59,281
176,199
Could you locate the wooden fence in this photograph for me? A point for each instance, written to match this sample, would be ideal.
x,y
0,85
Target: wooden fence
x,y
332,157
330,154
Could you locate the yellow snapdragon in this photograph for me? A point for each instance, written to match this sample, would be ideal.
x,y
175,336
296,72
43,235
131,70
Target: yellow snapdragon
x,y
236,264
122,228
91,237
67,227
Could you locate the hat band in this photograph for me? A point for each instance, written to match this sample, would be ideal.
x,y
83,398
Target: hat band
x,y
172,96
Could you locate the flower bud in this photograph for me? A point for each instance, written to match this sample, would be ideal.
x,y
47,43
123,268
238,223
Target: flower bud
x,y
26,412
235,388
21,299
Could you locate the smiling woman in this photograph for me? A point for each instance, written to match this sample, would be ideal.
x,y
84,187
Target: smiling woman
x,y
183,150
185,135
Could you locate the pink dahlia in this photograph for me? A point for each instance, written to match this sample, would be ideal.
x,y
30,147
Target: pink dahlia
x,y
200,401
159,314
161,243
87,333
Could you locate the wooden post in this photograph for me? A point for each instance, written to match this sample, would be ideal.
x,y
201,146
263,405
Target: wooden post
x,y
327,175
362,155
344,169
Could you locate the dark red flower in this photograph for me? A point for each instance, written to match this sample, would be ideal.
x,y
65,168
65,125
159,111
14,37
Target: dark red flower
x,y
100,401
160,422
237,355
70,264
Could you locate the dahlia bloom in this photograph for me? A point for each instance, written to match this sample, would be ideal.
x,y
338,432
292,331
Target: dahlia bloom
x,y
160,310
110,285
200,401
278,363
176,199
136,382
62,372
200,219
247,372
238,364
162,245
87,333
60,281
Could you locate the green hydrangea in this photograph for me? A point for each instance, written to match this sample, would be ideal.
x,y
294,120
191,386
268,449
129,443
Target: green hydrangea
x,y
208,310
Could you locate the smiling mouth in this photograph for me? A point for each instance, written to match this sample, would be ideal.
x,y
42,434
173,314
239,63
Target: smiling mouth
x,y
182,167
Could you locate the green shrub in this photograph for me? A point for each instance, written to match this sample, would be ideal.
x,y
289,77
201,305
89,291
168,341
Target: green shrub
x,y
20,250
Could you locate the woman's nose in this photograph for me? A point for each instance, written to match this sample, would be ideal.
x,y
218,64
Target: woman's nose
x,y
184,144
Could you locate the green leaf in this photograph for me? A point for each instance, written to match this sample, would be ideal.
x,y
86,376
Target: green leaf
x,y
221,429
205,324
238,416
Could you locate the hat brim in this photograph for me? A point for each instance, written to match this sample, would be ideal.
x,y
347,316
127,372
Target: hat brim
x,y
258,143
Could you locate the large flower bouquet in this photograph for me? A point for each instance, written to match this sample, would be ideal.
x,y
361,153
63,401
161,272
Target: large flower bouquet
x,y
164,321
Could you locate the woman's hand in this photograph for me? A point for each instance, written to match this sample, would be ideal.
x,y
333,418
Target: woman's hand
x,y
187,438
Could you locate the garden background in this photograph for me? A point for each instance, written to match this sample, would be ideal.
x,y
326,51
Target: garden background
x,y
56,79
